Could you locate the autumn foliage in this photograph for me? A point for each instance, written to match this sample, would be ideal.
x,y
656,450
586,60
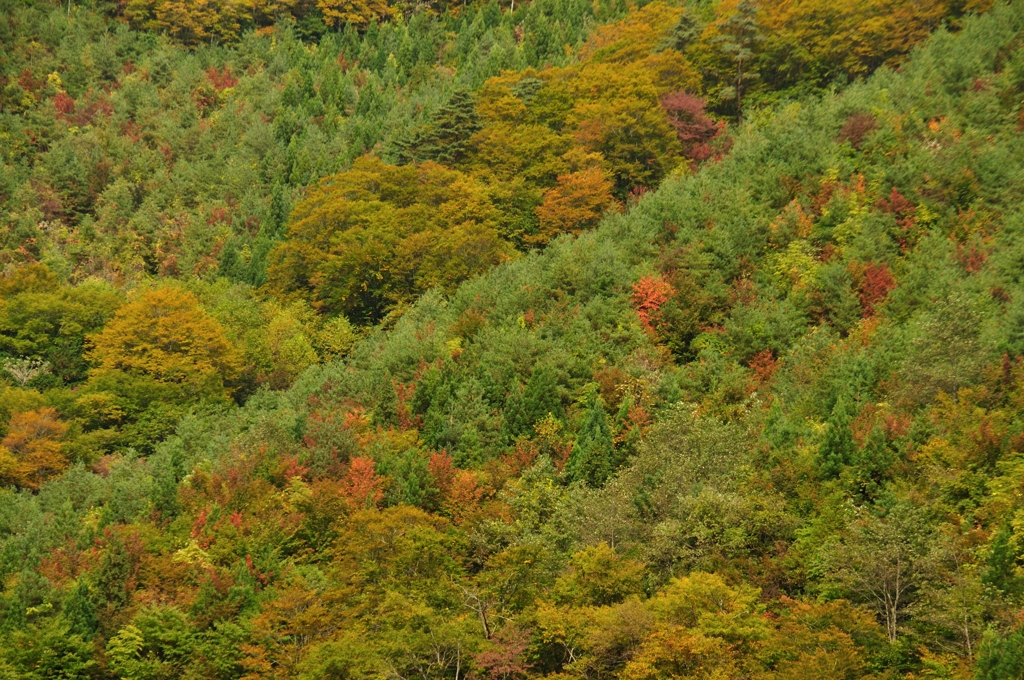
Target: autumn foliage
x,y
649,294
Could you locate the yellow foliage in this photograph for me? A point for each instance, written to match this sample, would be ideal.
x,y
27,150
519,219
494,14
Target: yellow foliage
x,y
372,238
166,336
355,12
31,451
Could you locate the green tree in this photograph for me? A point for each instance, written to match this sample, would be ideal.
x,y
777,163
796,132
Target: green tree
x,y
445,136
593,455
739,37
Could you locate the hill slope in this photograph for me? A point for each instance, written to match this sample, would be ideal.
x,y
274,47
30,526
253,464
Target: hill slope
x,y
765,424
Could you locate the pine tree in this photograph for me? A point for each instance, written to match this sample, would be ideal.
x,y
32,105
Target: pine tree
x,y
517,421
541,396
838,448
873,462
444,137
685,33
80,612
1002,563
591,459
740,36
271,231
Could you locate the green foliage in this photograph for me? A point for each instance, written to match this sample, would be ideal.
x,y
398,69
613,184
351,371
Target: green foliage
x,y
592,456
762,420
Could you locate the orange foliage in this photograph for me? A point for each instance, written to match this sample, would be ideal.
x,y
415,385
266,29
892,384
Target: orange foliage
x,y
442,469
649,294
31,451
362,487
764,365
464,495
576,203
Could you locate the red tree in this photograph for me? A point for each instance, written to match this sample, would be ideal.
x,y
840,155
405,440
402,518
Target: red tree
x,y
694,128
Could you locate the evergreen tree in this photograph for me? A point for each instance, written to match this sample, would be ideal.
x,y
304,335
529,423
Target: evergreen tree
x,y
685,33
838,448
1001,656
444,137
541,396
739,38
517,421
80,612
872,464
590,461
1002,564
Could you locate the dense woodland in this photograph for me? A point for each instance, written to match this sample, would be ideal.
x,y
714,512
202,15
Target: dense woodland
x,y
361,339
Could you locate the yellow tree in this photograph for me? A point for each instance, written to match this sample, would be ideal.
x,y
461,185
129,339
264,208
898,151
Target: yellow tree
x,y
374,237
167,337
356,12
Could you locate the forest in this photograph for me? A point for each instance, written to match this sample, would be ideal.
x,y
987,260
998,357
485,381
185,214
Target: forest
x,y
567,339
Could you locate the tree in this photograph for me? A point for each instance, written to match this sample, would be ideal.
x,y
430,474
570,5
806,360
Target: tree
x,y
739,36
368,240
598,576
693,127
1001,656
166,337
445,136
838,448
358,13
882,561
592,457
31,451
575,204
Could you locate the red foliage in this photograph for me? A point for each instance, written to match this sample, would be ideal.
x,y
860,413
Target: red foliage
x,y
896,425
442,469
856,128
262,577
764,365
200,524
875,286
218,215
825,191
506,660
30,83
693,127
64,104
84,111
291,468
649,294
221,80
407,420
362,487
905,213
66,562
971,258
520,458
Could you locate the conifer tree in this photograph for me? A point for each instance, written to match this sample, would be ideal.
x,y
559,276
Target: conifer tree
x,y
838,447
1002,564
591,459
444,137
541,396
740,36
80,611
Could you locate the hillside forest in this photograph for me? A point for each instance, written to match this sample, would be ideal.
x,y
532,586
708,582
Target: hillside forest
x,y
566,339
